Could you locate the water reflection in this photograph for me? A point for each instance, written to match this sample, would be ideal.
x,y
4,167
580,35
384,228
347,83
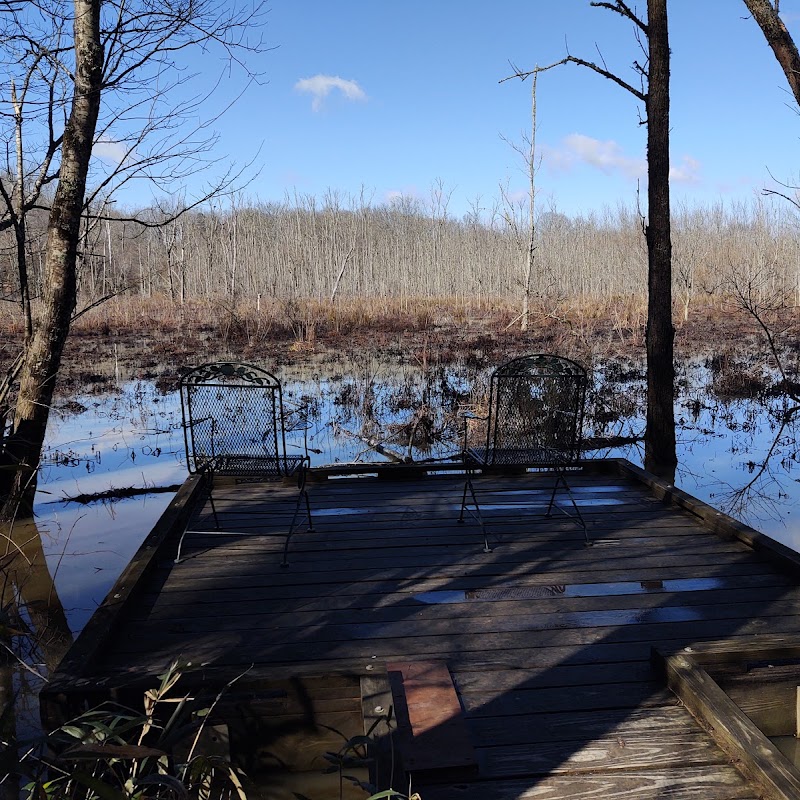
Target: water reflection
x,y
613,588
88,546
34,635
544,502
30,601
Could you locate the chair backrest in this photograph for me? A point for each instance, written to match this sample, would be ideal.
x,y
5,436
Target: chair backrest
x,y
233,419
536,408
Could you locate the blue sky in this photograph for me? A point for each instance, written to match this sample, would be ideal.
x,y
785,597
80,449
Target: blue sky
x,y
395,97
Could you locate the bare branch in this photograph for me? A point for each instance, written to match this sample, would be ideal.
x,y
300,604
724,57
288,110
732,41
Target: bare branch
x,y
623,10
523,74
608,74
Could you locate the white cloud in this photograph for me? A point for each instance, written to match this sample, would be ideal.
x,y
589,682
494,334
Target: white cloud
x,y
687,172
320,86
608,156
113,152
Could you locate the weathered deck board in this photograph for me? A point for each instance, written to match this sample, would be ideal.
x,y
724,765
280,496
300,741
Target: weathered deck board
x,y
709,782
193,605
527,561
548,641
615,752
482,621
373,592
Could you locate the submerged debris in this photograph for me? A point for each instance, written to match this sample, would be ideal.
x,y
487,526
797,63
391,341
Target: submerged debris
x,y
120,494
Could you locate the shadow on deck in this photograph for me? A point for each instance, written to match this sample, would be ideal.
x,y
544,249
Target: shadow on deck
x,y
526,672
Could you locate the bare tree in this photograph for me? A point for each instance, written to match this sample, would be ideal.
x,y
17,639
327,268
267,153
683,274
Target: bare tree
x,y
112,82
660,452
527,151
24,181
660,455
653,38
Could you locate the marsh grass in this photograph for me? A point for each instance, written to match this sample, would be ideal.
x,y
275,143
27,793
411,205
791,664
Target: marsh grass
x,y
140,336
113,752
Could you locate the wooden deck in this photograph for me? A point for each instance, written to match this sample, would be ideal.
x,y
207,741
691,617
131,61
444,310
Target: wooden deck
x,y
527,672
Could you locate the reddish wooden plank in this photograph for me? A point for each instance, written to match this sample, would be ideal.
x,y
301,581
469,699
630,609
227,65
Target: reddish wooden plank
x,y
433,735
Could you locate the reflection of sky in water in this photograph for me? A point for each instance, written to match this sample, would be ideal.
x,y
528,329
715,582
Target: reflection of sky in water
x,y
88,546
559,502
134,438
720,457
495,594
129,439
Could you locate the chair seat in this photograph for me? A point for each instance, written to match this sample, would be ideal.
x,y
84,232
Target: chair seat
x,y
256,466
517,456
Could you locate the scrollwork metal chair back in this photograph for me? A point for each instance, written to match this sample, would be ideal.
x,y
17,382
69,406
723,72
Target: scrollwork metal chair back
x,y
235,423
534,420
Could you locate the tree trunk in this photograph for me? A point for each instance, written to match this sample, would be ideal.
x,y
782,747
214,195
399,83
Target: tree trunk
x,y
46,346
660,455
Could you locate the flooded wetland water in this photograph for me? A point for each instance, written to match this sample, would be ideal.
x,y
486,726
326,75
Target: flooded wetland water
x,y
741,455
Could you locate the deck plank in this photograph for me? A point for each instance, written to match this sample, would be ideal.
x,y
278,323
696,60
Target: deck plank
x,y
710,782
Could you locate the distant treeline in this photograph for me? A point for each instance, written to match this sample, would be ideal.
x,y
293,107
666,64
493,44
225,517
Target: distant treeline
x,y
322,249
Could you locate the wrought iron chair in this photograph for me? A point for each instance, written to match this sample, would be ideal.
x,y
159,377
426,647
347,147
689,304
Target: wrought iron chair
x,y
235,424
535,418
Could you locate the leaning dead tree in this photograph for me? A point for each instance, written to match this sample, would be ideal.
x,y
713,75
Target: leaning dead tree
x,y
95,72
766,14
766,308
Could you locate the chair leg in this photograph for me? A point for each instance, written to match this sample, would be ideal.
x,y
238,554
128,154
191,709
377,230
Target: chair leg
x,y
549,511
293,526
467,483
213,508
180,546
301,484
476,514
302,497
210,479
308,511
562,478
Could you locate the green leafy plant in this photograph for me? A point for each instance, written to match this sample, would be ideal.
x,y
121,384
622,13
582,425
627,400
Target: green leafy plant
x,y
113,752
358,752
355,753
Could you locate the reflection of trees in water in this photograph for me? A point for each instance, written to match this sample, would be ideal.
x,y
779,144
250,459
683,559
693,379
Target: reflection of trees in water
x,y
33,629
30,601
412,414
762,494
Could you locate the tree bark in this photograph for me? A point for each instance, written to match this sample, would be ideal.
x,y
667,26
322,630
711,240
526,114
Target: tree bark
x,y
779,39
43,358
660,455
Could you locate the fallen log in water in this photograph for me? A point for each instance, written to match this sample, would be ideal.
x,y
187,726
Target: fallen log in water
x,y
119,494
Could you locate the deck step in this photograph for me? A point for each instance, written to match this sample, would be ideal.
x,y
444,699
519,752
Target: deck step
x,y
431,730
